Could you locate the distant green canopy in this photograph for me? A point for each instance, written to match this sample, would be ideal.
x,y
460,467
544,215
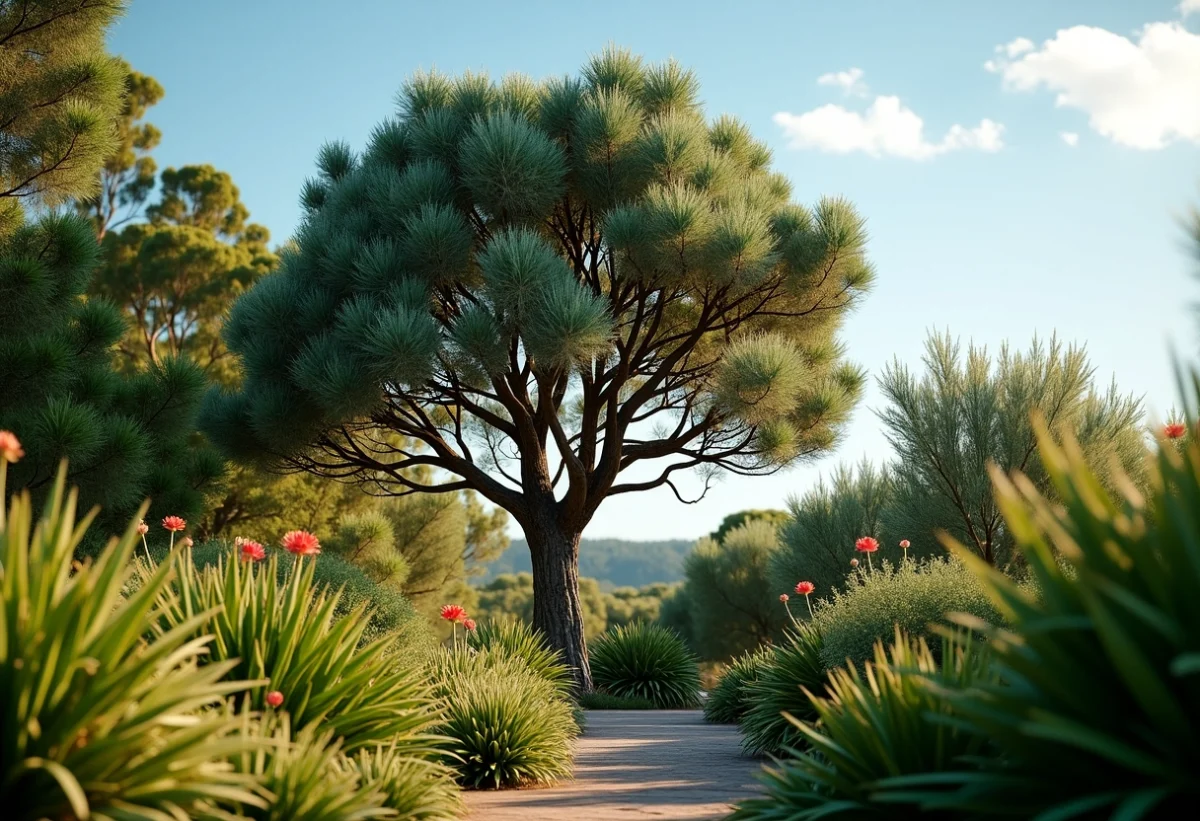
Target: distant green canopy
x,y
544,285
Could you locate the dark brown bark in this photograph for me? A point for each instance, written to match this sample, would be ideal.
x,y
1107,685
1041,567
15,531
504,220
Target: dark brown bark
x,y
557,610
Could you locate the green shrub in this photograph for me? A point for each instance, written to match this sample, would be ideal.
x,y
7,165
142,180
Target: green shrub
x,y
517,639
286,632
607,701
391,614
875,724
417,789
1098,701
94,721
914,596
646,661
507,725
794,666
728,701
303,775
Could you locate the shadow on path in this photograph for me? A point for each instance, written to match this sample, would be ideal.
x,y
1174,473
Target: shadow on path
x,y
637,764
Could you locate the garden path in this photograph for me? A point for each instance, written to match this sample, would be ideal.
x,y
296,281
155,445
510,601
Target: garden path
x,y
631,764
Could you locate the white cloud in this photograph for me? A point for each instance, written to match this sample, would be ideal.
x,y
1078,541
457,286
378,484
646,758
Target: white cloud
x,y
1017,47
849,81
887,128
1189,7
1143,95
1070,138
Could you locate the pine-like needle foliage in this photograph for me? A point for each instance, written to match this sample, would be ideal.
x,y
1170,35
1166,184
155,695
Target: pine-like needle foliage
x,y
542,285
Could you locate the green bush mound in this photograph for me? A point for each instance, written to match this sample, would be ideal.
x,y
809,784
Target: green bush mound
x,y
728,701
94,722
648,662
915,596
875,723
793,667
514,638
507,725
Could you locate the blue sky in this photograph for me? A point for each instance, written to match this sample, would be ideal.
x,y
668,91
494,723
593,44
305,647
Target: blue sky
x,y
1022,165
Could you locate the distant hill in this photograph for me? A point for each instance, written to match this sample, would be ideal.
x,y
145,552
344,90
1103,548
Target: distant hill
x,y
613,562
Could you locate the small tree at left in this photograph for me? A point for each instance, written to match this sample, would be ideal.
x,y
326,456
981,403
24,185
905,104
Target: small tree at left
x,y
126,437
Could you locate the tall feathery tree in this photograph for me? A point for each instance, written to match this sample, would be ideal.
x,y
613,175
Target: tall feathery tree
x,y
60,99
544,286
967,413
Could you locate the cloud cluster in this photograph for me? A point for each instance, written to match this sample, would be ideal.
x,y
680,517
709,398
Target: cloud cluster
x,y
1143,94
886,128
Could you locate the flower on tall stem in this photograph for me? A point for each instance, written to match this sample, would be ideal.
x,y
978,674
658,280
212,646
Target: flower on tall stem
x,y
174,524
142,530
806,589
454,613
905,544
469,625
251,551
867,545
10,451
301,543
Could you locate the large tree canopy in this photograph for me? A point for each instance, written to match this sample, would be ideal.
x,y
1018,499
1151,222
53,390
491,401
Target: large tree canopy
x,y
543,286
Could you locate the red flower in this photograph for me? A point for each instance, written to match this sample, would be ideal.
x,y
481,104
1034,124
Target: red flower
x,y
143,528
905,544
804,588
10,446
783,597
1175,430
469,624
252,551
866,545
274,698
174,524
453,612
301,542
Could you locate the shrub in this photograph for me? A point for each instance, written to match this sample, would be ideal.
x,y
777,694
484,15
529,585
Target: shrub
x,y
646,661
728,701
93,721
914,596
875,724
607,701
418,790
507,725
794,666
391,614
517,639
286,632
1098,698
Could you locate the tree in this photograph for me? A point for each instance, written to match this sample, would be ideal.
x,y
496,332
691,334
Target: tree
x,y
543,286
817,541
176,273
125,439
965,414
59,95
734,607
127,176
734,520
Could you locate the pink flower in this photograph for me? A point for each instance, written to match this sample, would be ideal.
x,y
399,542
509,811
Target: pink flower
x,y
866,545
187,541
1175,430
469,624
10,447
274,698
252,551
174,524
804,588
905,544
454,613
783,597
301,542
143,528
854,562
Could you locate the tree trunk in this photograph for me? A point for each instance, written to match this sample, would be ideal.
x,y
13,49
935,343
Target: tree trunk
x,y
557,610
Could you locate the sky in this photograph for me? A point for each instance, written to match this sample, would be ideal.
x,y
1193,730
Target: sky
x,y
1023,166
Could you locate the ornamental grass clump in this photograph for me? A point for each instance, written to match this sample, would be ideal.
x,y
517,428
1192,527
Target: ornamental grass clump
x,y
286,631
729,700
915,596
94,721
516,638
872,724
646,661
794,667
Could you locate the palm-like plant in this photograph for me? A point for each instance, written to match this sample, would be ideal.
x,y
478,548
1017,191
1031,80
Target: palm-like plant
x,y
94,721
794,670
516,638
646,661
729,700
286,632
